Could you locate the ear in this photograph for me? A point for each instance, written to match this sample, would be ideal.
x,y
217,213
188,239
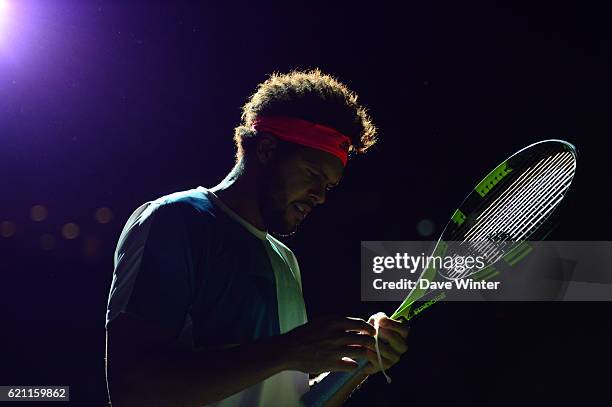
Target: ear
x,y
266,147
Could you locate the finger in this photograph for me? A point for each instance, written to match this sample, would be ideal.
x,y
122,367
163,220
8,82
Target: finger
x,y
370,368
372,358
373,366
387,351
393,338
376,317
355,324
388,363
353,338
400,327
354,352
343,365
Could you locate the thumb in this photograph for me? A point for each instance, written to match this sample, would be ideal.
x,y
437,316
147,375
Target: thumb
x,y
376,317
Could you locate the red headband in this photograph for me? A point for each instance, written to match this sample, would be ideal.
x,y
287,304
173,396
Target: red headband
x,y
306,133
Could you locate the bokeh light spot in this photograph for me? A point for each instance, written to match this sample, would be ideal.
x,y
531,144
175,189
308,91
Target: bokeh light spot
x,y
104,215
425,227
47,242
7,18
3,12
70,231
38,213
7,228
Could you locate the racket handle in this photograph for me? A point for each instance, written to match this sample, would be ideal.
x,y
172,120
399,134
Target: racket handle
x,y
321,393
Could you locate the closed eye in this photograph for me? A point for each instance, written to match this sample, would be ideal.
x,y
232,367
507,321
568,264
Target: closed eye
x,y
321,178
315,173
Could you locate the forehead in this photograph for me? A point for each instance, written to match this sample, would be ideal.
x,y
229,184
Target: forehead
x,y
327,163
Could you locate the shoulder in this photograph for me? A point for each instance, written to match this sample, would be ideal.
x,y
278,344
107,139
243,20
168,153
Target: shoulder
x,y
183,205
188,203
186,211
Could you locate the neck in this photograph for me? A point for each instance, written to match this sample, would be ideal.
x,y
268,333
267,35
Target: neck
x,y
238,191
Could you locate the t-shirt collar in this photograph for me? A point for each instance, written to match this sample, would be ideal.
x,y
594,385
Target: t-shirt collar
x,y
260,234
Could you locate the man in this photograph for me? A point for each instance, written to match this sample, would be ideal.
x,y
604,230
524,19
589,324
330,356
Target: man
x,y
206,305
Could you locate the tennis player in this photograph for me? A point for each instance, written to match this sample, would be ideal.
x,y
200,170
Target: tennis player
x,y
206,306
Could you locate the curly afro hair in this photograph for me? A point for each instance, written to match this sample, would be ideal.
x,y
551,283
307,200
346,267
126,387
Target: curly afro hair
x,y
307,95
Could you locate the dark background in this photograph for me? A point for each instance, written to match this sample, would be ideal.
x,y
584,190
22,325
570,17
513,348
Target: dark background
x,y
111,104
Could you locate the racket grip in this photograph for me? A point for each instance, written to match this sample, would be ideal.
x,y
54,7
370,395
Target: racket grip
x,y
321,393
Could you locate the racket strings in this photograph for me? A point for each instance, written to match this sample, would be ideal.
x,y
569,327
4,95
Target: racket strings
x,y
530,163
533,193
515,206
501,203
537,197
529,172
517,212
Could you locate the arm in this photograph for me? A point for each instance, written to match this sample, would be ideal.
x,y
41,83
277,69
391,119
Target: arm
x,y
345,391
142,370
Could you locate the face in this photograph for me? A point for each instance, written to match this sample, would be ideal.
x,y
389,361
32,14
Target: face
x,y
293,184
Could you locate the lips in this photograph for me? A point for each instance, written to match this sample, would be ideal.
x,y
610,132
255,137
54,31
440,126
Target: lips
x,y
302,209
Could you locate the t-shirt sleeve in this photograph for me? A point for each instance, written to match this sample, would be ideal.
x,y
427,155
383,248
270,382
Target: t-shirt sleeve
x,y
153,278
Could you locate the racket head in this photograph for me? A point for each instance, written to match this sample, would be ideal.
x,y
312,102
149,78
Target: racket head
x,y
525,185
517,201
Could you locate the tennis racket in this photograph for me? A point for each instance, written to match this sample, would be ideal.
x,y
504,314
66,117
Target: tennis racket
x,y
516,202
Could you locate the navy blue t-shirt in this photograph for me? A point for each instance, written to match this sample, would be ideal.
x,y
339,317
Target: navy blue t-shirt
x,y
183,264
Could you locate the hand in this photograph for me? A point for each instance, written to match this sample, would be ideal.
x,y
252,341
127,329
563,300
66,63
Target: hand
x,y
320,345
391,342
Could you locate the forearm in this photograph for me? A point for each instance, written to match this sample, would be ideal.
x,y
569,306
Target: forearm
x,y
197,379
345,391
339,396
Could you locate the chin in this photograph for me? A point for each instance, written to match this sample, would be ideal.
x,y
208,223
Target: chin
x,y
286,226
285,232
290,228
